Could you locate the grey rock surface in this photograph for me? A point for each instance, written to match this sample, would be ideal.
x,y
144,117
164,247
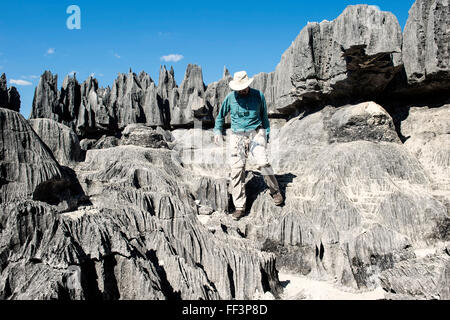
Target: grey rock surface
x,y
426,52
151,180
104,142
45,101
143,136
139,236
61,140
351,58
350,202
28,168
3,91
87,144
428,138
9,98
26,162
419,279
190,98
93,111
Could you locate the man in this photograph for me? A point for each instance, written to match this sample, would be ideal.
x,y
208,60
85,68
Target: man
x,y
250,133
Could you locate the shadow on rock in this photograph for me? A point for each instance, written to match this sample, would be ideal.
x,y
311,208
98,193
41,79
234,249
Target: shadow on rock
x,y
255,185
66,193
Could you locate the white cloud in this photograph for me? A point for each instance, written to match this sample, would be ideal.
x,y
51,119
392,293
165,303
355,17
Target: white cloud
x,y
117,56
92,75
172,58
50,51
30,77
20,82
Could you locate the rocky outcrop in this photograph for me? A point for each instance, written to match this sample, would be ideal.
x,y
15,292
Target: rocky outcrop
x,y
9,98
61,140
104,142
142,136
350,206
87,144
92,111
348,59
29,169
26,162
142,230
191,100
3,91
45,101
427,134
426,53
419,279
137,236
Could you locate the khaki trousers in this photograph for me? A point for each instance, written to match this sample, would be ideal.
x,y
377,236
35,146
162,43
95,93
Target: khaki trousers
x,y
241,144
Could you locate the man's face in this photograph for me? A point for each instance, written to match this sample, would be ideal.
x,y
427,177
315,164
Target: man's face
x,y
244,92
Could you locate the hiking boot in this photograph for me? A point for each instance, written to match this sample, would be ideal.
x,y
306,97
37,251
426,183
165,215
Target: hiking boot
x,y
238,215
278,198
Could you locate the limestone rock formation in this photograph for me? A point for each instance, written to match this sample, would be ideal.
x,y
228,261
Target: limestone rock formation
x,y
419,279
353,199
104,142
137,236
143,136
426,52
9,98
191,99
87,144
61,140
427,131
348,59
45,101
3,91
92,111
26,162
29,169
151,188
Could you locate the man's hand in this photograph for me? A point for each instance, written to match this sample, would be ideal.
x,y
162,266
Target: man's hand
x,y
218,139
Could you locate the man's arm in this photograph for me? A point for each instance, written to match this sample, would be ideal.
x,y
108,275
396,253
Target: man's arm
x,y
264,116
220,120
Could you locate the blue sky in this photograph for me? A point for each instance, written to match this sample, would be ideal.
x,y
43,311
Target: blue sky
x,y
117,35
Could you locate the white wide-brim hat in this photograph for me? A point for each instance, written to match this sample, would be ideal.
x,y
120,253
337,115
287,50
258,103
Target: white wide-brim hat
x,y
240,81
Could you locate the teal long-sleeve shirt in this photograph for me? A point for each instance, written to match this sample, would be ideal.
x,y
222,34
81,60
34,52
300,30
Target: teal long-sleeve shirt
x,y
247,113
